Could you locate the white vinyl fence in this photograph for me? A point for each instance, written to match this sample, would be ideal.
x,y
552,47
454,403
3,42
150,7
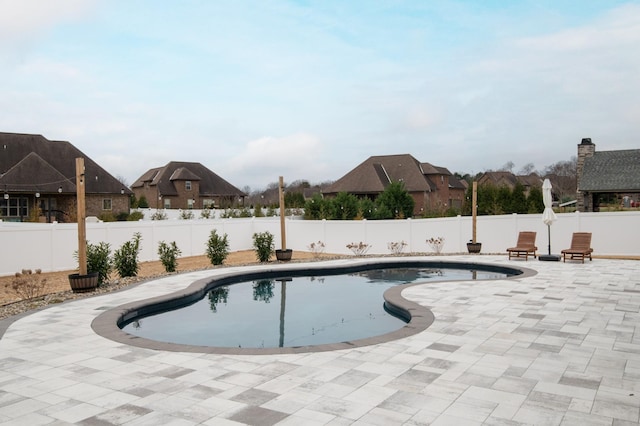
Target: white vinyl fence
x,y
50,247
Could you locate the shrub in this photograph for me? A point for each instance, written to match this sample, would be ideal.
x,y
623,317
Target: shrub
x,y
27,285
396,247
245,212
436,244
107,217
205,213
316,248
125,259
217,248
122,216
229,213
186,214
359,249
169,255
263,245
99,260
135,216
159,215
143,203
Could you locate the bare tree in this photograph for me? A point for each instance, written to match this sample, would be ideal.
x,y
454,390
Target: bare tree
x,y
564,178
123,180
527,169
507,167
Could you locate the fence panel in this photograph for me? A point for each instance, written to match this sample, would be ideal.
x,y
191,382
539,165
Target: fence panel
x,y
50,247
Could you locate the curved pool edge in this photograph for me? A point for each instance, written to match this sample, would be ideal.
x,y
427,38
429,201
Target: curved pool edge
x,y
107,324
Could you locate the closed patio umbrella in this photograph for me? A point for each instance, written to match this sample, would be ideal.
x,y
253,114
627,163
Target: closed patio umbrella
x,y
548,217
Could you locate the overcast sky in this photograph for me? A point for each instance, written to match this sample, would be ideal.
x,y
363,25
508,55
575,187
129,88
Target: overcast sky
x,y
310,89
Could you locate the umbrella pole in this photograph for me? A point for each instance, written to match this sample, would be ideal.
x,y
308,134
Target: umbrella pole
x,y
549,257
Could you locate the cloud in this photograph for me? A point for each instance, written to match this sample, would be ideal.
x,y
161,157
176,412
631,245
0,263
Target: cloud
x,y
25,20
262,161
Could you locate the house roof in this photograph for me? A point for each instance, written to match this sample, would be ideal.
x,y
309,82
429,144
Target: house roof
x,y
508,178
611,171
210,184
32,163
374,174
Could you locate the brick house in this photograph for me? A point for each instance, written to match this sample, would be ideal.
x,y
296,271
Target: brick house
x,y
186,185
433,188
38,181
510,180
607,177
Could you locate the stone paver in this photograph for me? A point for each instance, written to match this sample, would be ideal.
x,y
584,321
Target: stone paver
x,y
559,347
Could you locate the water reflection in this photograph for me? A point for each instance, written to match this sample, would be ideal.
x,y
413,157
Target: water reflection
x,y
218,295
263,290
400,275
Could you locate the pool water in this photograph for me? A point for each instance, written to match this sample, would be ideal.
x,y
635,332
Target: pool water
x,y
292,311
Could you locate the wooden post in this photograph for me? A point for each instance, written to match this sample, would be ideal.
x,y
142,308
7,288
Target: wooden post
x,y
474,209
82,231
283,236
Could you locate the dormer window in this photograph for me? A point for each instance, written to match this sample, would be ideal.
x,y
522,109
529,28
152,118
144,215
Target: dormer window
x,y
187,185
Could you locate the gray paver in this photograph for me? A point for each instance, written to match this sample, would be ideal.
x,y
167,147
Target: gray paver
x,y
558,347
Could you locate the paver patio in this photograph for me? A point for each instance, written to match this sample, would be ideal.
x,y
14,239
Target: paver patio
x,y
559,347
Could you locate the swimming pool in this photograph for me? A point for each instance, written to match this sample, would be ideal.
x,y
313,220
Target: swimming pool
x,y
297,308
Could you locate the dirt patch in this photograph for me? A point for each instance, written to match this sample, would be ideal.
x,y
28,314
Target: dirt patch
x,y
57,287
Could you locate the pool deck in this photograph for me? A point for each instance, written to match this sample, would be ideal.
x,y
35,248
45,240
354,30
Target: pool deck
x,y
558,347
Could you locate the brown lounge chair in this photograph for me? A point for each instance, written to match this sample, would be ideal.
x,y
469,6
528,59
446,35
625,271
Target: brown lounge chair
x,y
580,247
526,244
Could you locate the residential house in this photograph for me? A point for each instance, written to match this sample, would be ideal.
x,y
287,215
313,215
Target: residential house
x,y
607,177
38,181
510,180
186,185
433,188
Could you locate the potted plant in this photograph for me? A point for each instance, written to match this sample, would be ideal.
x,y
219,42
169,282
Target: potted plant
x,y
474,247
98,268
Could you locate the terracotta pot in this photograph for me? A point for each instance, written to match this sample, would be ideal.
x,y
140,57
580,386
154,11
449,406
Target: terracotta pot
x,y
474,247
83,283
284,255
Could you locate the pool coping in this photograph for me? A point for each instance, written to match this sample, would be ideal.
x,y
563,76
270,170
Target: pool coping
x,y
107,324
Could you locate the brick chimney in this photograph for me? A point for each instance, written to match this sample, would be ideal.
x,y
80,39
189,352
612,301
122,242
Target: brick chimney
x,y
586,148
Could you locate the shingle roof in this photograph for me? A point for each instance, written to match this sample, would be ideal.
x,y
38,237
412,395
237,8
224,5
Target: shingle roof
x,y
374,174
211,185
182,173
611,171
30,163
502,176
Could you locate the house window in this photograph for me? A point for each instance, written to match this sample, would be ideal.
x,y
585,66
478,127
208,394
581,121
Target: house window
x,y
208,203
167,203
14,207
190,203
106,204
187,185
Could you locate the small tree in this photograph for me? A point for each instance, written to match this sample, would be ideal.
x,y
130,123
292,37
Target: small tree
x,y
169,255
217,248
142,202
396,200
345,206
125,258
263,245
